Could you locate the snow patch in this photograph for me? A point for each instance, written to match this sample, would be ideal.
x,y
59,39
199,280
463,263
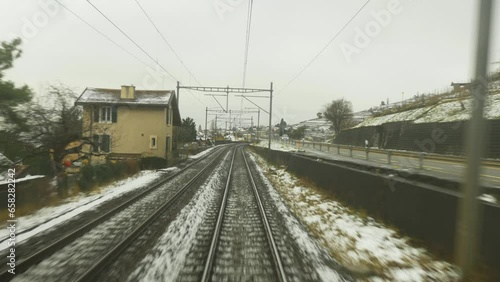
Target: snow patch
x,y
167,257
359,243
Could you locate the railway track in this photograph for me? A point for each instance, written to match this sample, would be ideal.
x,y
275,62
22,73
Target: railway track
x,y
107,225
242,246
240,235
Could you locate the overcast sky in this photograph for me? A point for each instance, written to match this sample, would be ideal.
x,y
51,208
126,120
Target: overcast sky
x,y
390,48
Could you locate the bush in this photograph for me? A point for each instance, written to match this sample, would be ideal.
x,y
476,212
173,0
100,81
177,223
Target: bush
x,y
119,170
132,167
103,173
86,180
153,163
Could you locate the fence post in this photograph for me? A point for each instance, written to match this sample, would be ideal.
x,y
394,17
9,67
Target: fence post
x,y
350,151
421,160
389,153
367,151
338,149
320,146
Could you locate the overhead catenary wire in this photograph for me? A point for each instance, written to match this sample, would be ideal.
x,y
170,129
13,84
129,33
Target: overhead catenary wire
x,y
138,46
126,35
166,41
102,34
247,43
326,46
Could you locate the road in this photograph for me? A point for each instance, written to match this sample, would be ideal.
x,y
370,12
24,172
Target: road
x,y
446,169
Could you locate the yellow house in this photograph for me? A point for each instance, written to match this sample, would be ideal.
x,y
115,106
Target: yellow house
x,y
129,123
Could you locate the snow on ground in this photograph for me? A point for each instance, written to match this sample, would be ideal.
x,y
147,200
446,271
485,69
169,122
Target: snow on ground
x,y
408,115
167,257
360,243
278,146
49,216
202,153
445,111
489,198
309,247
17,180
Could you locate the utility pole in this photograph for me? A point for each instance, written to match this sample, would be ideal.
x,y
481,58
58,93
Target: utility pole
x,y
469,220
206,117
258,124
178,98
270,116
215,138
227,98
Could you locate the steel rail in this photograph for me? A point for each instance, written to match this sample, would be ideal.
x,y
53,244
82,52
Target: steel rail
x,y
215,239
106,259
23,264
218,227
270,238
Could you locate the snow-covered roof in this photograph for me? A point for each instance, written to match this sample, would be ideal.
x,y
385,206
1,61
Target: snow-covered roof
x,y
112,96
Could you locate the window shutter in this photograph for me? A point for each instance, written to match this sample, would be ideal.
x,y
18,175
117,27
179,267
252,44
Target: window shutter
x,y
114,114
95,143
105,143
95,111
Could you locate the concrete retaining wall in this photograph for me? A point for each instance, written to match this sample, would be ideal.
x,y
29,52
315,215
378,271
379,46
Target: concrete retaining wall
x,y
439,138
421,210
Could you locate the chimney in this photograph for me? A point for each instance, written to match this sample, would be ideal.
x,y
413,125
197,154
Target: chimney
x,y
128,92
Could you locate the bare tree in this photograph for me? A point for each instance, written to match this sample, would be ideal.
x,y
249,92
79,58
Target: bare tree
x,y
339,112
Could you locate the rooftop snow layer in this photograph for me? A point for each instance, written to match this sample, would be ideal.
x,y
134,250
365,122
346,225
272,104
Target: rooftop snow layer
x,y
112,96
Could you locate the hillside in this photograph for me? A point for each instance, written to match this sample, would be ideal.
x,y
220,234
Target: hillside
x,y
447,107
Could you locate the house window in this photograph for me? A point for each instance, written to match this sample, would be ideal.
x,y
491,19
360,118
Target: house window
x,y
153,142
105,114
102,143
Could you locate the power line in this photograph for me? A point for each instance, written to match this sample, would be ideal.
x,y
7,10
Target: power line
x,y
249,25
326,46
166,41
131,40
104,35
114,42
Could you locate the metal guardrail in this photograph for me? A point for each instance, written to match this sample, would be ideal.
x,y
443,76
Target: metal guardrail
x,y
421,156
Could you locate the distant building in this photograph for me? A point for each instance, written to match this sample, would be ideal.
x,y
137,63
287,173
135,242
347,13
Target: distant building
x,y
129,123
459,86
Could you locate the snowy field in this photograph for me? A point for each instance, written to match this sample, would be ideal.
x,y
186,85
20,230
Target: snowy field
x,y
360,243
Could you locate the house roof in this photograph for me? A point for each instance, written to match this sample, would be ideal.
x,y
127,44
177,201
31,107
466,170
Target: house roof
x,y
112,96
93,96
